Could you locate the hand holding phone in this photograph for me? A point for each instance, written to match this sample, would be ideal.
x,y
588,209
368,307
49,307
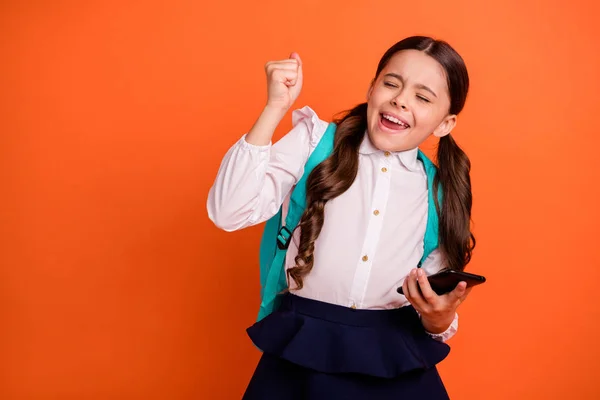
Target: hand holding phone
x,y
445,281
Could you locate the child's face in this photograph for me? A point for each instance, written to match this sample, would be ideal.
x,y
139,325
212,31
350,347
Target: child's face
x,y
412,89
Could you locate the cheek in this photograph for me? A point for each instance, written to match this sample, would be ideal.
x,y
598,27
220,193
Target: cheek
x,y
376,103
372,113
427,118
377,98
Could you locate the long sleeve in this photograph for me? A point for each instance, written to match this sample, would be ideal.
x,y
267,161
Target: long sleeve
x,y
253,181
432,265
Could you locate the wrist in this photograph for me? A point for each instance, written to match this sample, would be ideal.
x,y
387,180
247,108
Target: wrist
x,y
274,112
264,127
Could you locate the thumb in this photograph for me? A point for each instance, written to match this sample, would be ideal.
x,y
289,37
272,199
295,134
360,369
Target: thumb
x,y
458,292
296,56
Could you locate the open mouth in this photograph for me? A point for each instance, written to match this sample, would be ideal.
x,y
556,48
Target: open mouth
x,y
393,123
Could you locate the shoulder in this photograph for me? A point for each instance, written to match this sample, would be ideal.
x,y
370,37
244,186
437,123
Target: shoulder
x,y
306,118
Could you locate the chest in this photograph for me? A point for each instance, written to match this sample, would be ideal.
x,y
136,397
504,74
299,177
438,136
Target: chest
x,y
384,192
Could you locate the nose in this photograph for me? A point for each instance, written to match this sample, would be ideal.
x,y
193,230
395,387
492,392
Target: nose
x,y
399,102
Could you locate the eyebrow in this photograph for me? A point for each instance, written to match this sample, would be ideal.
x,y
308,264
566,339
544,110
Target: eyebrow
x,y
419,85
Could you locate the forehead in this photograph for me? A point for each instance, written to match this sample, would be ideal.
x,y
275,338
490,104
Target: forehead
x,y
416,67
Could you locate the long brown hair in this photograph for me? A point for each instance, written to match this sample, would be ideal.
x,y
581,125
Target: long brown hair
x,y
336,174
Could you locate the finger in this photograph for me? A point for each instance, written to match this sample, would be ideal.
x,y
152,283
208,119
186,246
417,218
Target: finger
x,y
300,74
459,291
417,299
287,77
428,294
290,60
464,296
296,56
291,66
405,289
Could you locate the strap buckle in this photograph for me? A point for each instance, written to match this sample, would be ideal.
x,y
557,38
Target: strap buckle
x,y
284,237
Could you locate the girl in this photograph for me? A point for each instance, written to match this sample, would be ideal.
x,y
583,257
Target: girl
x,y
342,331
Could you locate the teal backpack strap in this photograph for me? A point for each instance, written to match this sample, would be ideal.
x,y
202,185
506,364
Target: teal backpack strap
x,y
268,247
431,240
276,237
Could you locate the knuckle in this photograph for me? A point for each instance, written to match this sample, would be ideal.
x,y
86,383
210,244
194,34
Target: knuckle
x,y
276,74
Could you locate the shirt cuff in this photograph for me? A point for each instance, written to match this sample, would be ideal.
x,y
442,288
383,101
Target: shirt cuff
x,y
448,333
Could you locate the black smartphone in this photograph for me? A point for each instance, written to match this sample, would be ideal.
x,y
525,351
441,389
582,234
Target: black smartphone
x,y
445,281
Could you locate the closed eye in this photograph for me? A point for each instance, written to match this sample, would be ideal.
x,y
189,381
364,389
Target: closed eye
x,y
426,100
389,84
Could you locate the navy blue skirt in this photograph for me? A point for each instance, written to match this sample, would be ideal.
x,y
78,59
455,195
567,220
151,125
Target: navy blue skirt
x,y
315,350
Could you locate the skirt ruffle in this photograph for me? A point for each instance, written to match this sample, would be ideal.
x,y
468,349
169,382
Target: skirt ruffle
x,y
338,340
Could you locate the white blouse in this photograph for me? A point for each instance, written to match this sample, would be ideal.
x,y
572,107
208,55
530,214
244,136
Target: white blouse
x,y
373,233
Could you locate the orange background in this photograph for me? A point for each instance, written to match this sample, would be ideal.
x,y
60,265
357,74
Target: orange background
x,y
114,117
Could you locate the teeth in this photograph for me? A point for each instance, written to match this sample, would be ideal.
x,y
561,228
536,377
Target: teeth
x,y
394,120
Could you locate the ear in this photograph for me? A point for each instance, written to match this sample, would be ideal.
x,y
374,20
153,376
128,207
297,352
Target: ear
x,y
370,90
446,126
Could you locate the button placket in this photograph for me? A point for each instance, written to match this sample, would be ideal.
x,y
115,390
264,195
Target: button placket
x,y
372,235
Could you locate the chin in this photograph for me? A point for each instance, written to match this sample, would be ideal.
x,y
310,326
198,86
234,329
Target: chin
x,y
386,142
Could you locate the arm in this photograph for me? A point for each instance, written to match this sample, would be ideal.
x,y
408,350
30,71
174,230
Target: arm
x,y
254,179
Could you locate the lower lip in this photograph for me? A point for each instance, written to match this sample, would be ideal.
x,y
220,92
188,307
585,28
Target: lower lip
x,y
389,130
